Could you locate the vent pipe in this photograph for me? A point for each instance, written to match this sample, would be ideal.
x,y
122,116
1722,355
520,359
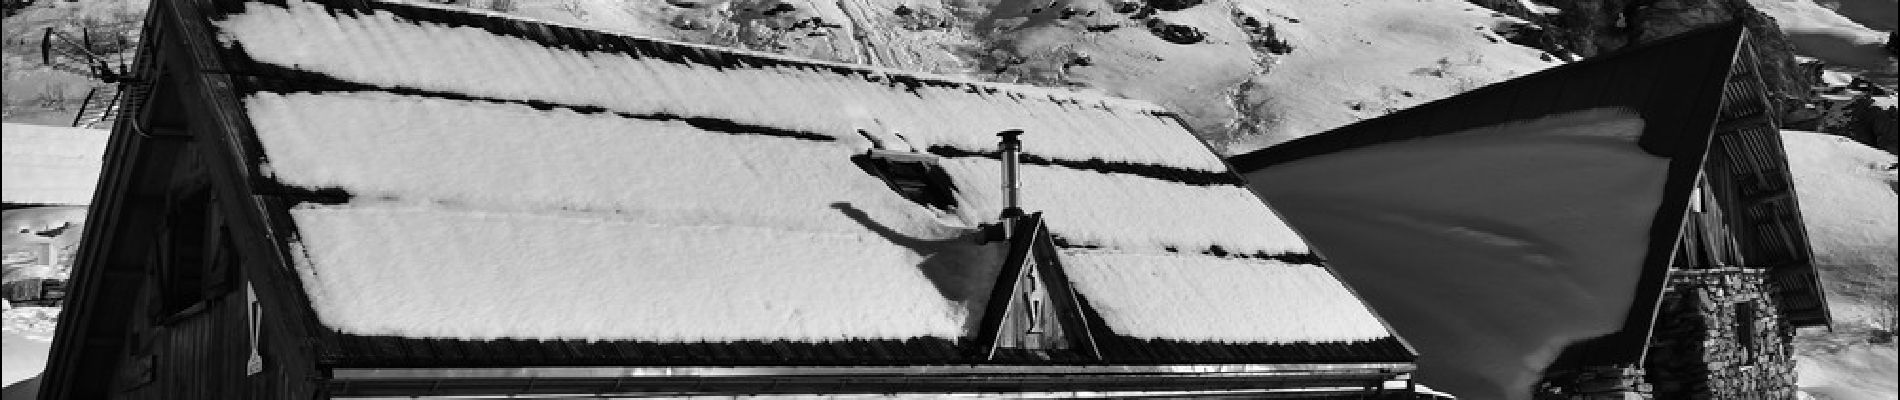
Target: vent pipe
x,y
1012,151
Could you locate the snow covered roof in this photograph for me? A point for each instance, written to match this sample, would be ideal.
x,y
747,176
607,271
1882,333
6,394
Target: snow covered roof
x,y
49,165
1549,203
483,180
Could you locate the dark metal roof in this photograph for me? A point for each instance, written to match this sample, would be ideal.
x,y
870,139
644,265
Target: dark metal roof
x,y
1691,90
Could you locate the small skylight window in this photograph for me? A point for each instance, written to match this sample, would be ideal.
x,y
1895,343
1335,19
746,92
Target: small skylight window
x,y
914,176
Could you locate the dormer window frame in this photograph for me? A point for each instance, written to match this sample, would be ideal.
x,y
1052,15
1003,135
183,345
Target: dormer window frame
x,y
918,177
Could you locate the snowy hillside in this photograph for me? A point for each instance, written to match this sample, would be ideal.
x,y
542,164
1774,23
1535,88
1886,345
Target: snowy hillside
x,y
26,333
1847,197
1818,30
1243,73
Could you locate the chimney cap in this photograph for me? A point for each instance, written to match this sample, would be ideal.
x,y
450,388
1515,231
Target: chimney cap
x,y
1009,136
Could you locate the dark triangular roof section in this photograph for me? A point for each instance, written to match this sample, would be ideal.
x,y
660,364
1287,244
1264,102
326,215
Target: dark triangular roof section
x,y
1697,97
1032,310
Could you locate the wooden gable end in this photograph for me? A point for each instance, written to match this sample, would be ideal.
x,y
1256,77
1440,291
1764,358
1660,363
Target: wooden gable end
x,y
1750,217
157,307
1032,311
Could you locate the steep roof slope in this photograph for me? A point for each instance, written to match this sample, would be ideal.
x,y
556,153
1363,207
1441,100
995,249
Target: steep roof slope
x,y
1549,203
507,179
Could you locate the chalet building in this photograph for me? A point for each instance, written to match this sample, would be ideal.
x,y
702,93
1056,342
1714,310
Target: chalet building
x,y
1641,201
346,198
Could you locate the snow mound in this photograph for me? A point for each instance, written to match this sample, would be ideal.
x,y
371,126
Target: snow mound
x,y
39,242
1847,199
26,337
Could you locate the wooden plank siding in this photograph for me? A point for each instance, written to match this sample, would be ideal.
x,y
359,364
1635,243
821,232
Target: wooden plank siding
x,y
202,354
121,337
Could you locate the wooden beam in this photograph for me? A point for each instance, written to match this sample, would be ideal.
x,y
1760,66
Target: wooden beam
x,y
1739,72
1746,121
1766,197
166,133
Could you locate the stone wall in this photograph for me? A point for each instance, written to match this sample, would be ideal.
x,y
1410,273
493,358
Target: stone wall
x,y
1719,335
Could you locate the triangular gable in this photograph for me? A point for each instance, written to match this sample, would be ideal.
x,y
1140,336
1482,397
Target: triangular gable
x,y
1032,308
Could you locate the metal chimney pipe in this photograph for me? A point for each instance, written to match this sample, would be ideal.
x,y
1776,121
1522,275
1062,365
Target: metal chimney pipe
x,y
1012,151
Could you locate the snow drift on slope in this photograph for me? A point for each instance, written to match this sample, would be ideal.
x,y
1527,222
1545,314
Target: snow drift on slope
x,y
1847,198
1819,32
39,242
26,335
1848,201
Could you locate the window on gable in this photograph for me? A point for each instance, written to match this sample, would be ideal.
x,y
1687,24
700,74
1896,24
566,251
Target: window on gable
x,y
178,256
193,259
914,176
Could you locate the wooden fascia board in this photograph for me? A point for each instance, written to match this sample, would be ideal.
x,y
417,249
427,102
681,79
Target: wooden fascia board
x,y
222,126
1307,379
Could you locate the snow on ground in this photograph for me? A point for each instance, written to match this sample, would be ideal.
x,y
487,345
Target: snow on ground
x,y
49,165
724,235
39,242
1848,371
1489,250
1806,16
1349,60
26,335
1848,201
1877,14
1847,197
1358,59
1819,31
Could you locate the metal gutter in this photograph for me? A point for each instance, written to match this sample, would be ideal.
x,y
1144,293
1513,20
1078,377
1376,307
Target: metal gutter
x,y
1261,370
1014,381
